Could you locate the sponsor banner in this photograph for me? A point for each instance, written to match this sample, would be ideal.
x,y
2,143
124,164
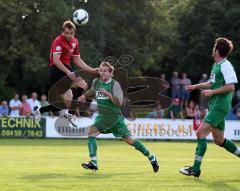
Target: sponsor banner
x,y
59,127
141,128
22,127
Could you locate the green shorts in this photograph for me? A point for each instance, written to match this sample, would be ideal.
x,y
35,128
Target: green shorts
x,y
216,118
114,125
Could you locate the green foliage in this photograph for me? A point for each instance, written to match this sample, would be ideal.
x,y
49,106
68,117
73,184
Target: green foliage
x,y
161,36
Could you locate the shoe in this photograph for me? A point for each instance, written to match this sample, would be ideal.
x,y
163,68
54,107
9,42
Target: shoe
x,y
71,118
90,165
189,171
155,164
36,113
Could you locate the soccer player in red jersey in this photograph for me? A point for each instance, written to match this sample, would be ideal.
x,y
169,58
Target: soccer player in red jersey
x,y
64,48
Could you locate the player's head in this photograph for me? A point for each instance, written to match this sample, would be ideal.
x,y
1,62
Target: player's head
x,y
68,30
106,71
222,48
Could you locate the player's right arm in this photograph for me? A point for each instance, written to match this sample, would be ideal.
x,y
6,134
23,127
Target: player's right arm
x,y
88,94
205,85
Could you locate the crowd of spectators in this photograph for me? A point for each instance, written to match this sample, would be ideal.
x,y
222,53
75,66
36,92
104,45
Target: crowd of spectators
x,y
182,105
23,107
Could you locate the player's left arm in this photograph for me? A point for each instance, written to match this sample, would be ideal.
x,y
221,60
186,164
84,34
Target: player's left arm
x,y
230,79
117,96
82,65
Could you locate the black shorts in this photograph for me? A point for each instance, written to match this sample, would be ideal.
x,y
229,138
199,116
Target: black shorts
x,y
55,74
60,83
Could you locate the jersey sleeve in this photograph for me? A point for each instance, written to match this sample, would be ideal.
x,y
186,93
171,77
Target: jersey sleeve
x,y
117,91
93,85
228,73
56,47
76,51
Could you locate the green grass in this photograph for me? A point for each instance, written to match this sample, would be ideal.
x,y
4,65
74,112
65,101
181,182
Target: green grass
x,y
53,164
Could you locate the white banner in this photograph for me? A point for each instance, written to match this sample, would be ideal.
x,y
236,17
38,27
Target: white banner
x,y
141,128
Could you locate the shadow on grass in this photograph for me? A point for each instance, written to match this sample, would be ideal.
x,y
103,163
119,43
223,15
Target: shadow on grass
x,y
35,177
100,175
87,175
220,185
214,185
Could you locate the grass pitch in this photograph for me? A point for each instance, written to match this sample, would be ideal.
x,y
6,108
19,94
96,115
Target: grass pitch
x,y
55,164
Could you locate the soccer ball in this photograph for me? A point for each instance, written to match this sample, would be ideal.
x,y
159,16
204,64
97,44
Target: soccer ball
x,y
80,17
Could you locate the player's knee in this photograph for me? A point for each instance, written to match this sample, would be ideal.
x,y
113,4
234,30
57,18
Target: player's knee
x,y
218,141
68,95
129,141
82,84
198,134
91,134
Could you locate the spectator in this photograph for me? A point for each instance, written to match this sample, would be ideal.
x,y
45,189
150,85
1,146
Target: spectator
x,y
175,85
197,117
175,109
198,113
126,107
25,109
44,103
185,94
238,113
33,101
163,84
238,94
160,112
157,112
14,105
189,110
4,110
163,77
152,114
203,100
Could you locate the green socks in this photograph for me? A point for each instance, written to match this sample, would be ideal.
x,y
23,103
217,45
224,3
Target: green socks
x,y
200,151
92,147
141,147
230,147
202,147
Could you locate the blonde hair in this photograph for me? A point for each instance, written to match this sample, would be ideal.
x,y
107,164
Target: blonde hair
x,y
110,67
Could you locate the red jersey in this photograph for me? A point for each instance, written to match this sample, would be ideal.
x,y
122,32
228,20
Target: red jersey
x,y
67,49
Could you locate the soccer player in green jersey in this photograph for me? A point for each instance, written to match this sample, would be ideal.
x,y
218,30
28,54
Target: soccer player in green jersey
x,y
109,97
219,90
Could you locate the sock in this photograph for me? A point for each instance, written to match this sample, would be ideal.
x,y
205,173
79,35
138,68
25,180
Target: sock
x,y
48,108
92,147
142,148
230,147
199,153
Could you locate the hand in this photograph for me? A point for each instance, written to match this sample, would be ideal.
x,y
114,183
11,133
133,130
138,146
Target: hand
x,y
82,99
97,70
191,87
72,76
104,92
207,93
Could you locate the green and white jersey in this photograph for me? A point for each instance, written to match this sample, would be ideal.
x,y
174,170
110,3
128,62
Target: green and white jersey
x,y
105,105
222,73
